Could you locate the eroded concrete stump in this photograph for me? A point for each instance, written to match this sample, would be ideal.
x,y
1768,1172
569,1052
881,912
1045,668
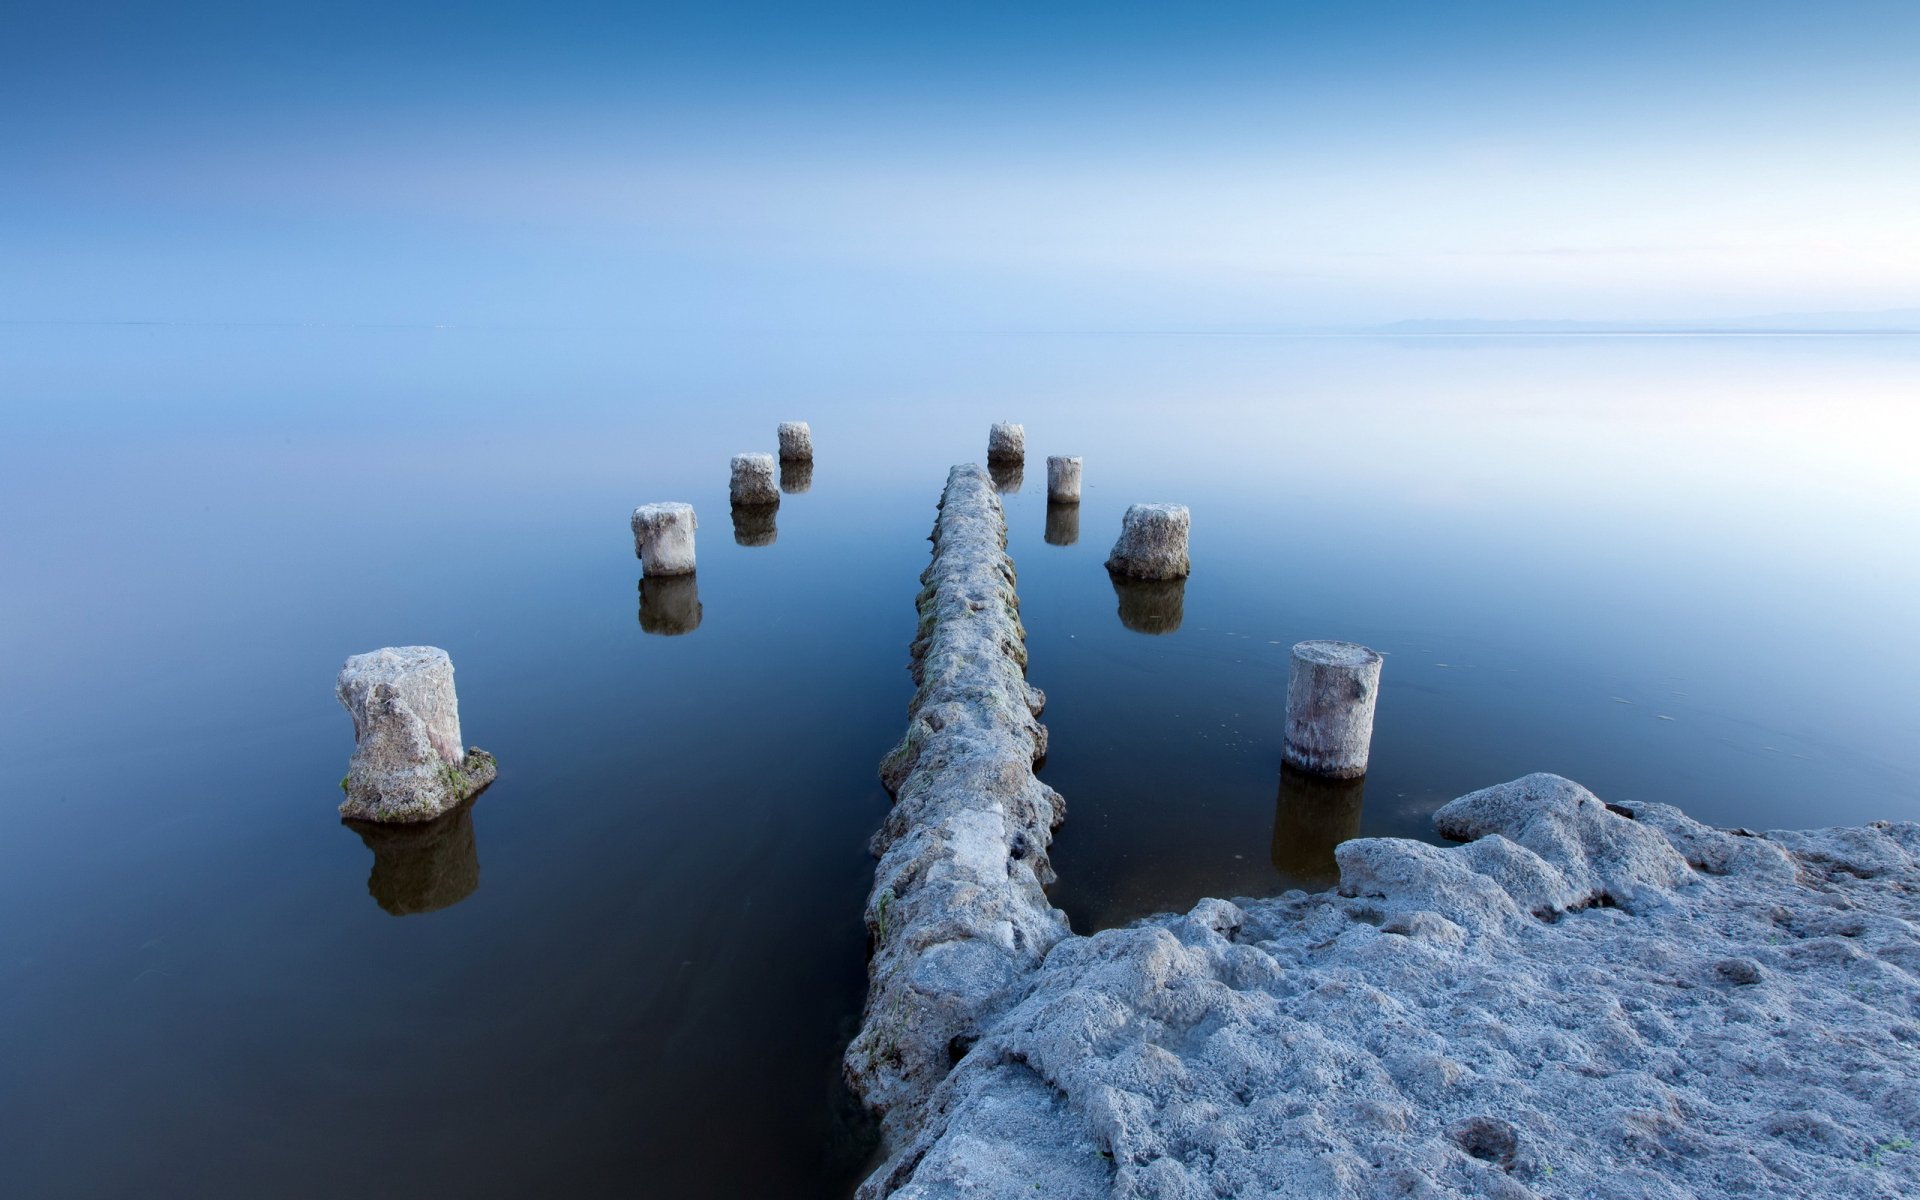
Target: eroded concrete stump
x,y
1153,543
1311,816
1006,440
670,605
1063,524
663,538
756,524
752,481
796,442
1063,478
796,476
407,761
1331,690
1150,605
423,867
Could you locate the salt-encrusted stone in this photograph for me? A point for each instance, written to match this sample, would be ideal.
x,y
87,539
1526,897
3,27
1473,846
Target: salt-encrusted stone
x,y
1331,689
796,477
1007,474
756,524
1063,524
1006,440
796,442
422,867
670,604
1153,542
1311,816
958,912
407,761
1063,479
1150,605
663,538
752,481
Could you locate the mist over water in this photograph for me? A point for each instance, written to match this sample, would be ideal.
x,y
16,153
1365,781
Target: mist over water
x,y
1674,569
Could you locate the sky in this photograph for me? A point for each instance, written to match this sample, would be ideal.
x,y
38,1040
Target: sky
x,y
1001,166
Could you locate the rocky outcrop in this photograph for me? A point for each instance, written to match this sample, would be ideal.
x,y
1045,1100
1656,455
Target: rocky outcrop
x,y
407,762
1584,999
958,912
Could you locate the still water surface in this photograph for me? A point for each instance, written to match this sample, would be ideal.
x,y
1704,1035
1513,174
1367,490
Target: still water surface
x,y
1676,569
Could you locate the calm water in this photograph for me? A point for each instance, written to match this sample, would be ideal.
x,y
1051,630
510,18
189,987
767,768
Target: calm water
x,y
1675,569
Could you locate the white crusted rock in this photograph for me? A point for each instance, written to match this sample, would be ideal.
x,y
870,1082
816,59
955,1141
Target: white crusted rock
x,y
752,480
796,442
407,762
663,538
1006,440
1063,478
1331,691
1153,542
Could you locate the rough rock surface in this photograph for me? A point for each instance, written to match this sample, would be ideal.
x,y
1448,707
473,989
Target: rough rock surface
x,y
1583,1000
407,762
1153,542
751,481
958,912
663,538
796,441
1006,440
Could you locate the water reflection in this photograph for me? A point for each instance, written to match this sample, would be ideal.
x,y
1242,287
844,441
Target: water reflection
x,y
1063,524
422,868
1150,605
796,475
1007,474
669,604
1311,816
754,524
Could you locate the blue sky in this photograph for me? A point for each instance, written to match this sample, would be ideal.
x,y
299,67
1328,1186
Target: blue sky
x,y
998,166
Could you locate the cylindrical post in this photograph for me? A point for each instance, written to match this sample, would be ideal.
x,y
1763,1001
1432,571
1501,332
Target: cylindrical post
x,y
663,538
1331,689
1063,478
752,481
1153,543
1006,441
796,442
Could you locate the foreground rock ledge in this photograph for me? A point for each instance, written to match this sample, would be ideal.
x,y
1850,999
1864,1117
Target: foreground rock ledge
x,y
1583,1000
958,912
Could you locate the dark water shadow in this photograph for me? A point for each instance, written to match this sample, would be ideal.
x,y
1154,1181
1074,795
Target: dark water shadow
x,y
796,475
1063,524
1007,474
755,524
422,868
1311,815
1150,605
669,604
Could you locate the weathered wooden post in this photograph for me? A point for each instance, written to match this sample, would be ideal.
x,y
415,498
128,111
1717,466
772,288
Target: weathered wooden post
x,y
1153,543
1331,690
663,538
752,481
1063,478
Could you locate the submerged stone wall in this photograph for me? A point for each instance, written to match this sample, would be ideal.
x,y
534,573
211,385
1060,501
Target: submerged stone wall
x,y
958,912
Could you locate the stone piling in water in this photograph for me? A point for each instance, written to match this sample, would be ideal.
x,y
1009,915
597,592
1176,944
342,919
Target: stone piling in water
x,y
796,442
1153,543
663,538
1063,478
958,911
752,480
408,764
1331,690
1006,441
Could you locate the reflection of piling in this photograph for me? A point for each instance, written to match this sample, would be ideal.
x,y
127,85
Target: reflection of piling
x,y
1063,478
796,442
1006,440
1331,689
669,604
1311,816
752,480
420,868
1150,605
1153,542
1063,524
755,524
1007,474
796,475
663,538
